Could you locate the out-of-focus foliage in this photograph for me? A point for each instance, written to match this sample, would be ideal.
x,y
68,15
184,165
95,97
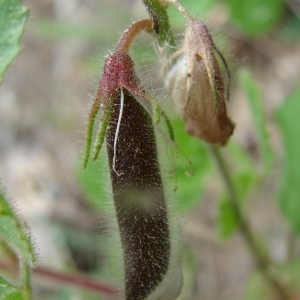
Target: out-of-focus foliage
x,y
257,288
227,222
92,181
245,173
244,177
255,17
9,292
198,8
288,197
192,165
12,20
255,104
251,17
12,232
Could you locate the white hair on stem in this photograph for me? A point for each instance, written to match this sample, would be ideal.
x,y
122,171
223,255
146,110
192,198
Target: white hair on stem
x,y
117,130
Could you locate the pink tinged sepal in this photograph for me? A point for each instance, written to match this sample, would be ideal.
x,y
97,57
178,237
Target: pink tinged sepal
x,y
118,74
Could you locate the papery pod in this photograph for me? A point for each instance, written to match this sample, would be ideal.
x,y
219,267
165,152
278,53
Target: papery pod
x,y
197,86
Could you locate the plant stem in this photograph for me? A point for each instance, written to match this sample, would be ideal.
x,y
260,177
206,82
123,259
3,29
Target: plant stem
x,y
70,279
291,246
25,273
128,36
79,281
260,257
160,20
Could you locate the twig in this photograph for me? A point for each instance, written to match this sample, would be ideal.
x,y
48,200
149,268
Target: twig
x,y
77,280
291,246
25,271
62,278
160,20
261,258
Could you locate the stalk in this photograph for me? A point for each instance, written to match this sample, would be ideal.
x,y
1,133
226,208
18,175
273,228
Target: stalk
x,y
260,257
25,271
160,20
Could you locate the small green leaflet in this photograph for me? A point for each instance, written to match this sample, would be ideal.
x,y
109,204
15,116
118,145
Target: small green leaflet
x,y
8,291
12,20
12,233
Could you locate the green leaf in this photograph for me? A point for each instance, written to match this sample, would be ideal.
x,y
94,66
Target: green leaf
x,y
12,20
12,232
287,117
255,104
255,17
9,292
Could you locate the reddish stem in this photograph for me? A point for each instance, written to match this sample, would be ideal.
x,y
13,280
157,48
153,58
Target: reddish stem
x,y
75,280
80,281
131,33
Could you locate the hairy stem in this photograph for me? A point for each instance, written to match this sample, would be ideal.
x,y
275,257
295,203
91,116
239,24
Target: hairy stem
x,y
138,197
161,22
25,271
260,257
128,36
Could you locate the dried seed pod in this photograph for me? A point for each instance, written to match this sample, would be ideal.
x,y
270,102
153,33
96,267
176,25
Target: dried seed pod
x,y
197,86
